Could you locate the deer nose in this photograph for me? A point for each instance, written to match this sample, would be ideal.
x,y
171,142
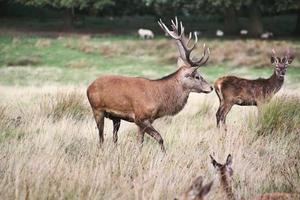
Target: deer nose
x,y
211,88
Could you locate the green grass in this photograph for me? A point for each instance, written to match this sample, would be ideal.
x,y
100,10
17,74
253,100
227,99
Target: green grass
x,y
36,60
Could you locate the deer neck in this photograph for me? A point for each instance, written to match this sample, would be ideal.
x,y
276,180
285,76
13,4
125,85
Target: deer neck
x,y
275,83
226,186
173,96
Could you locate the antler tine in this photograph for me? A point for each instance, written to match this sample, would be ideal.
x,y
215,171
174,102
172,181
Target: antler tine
x,y
196,38
206,53
203,55
273,51
195,43
183,42
181,29
176,22
288,51
165,28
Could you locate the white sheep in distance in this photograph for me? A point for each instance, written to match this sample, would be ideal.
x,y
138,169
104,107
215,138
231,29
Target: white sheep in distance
x,y
219,33
145,33
244,32
266,35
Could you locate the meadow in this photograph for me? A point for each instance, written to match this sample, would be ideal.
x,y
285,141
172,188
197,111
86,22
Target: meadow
x,y
49,142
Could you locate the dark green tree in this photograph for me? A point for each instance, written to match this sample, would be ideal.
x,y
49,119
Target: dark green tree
x,y
289,5
69,6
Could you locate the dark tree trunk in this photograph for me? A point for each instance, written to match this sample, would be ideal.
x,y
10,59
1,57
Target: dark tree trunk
x,y
231,22
297,28
69,18
256,26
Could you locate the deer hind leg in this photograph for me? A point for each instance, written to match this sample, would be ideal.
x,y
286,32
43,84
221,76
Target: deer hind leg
x,y
225,108
148,128
116,125
218,113
218,116
99,118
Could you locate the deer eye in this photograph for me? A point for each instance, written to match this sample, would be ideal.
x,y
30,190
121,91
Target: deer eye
x,y
197,77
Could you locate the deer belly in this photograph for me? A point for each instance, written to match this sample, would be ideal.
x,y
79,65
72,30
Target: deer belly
x,y
246,102
127,116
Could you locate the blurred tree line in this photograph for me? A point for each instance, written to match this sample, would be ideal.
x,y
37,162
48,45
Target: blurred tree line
x,y
229,10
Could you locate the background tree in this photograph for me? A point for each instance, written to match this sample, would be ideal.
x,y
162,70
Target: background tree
x,y
69,6
289,6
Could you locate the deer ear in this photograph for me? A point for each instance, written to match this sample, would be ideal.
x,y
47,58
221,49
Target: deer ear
x,y
290,60
214,162
229,160
181,63
206,189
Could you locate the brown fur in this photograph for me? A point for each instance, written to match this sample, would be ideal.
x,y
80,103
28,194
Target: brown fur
x,y
141,100
233,90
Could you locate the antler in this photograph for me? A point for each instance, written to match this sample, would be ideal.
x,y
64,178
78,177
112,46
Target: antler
x,y
273,52
183,43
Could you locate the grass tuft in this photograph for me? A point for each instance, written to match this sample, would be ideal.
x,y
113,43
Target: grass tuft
x,y
24,61
65,105
280,116
78,64
42,43
10,127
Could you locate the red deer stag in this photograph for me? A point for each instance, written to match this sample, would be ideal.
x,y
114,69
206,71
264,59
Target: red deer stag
x,y
225,173
142,100
233,90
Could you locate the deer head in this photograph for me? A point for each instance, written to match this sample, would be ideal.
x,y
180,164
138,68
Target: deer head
x,y
188,75
281,64
224,169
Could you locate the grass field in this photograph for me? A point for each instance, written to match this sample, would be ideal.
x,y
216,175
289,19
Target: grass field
x,y
49,142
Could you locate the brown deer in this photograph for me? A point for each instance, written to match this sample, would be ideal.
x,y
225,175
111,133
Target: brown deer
x,y
233,90
196,191
141,100
225,173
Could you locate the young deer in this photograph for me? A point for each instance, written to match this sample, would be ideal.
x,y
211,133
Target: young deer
x,y
196,191
233,90
142,100
225,172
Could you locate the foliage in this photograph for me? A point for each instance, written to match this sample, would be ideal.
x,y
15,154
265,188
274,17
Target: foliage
x,y
80,4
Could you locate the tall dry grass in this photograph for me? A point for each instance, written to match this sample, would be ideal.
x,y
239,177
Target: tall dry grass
x,y
61,159
256,53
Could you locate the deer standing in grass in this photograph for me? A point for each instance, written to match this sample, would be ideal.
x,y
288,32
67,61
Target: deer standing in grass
x,y
233,90
225,173
142,100
196,191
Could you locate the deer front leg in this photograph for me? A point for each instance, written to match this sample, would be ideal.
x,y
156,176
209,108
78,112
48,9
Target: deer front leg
x,y
148,128
140,137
